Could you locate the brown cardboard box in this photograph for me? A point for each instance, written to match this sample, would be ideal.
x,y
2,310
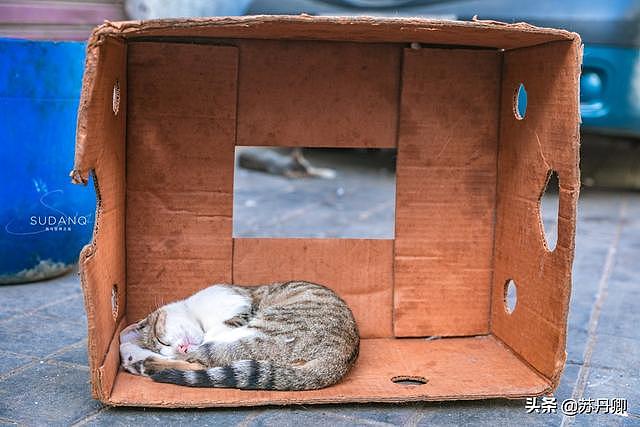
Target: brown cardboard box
x,y
164,103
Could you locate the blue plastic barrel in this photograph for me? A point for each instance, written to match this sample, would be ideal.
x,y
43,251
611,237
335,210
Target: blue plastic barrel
x,y
44,219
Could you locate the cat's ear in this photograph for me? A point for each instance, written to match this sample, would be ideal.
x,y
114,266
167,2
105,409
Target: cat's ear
x,y
129,334
159,324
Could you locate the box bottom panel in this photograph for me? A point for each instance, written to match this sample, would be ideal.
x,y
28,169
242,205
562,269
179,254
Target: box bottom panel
x,y
454,368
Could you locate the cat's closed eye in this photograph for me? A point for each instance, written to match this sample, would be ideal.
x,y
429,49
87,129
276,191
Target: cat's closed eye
x,y
162,342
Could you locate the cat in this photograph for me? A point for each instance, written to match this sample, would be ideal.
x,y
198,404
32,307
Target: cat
x,y
295,335
290,163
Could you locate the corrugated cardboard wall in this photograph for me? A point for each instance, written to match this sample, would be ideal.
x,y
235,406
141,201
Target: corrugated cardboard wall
x,y
181,136
180,146
101,148
360,271
446,183
546,139
318,94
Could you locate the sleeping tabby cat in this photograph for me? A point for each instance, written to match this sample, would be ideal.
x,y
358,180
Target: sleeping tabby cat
x,y
283,336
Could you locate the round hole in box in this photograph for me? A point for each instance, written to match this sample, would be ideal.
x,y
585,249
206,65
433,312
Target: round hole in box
x,y
510,296
410,380
520,102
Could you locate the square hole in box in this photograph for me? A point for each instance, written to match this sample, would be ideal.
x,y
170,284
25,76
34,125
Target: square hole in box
x,y
313,192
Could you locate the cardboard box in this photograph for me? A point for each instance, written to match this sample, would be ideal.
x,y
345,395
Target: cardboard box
x,y
164,104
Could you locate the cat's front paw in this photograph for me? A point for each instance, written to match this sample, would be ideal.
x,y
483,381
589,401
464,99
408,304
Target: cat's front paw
x,y
152,365
132,358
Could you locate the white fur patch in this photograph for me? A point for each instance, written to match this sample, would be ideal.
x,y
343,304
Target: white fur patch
x,y
232,335
215,304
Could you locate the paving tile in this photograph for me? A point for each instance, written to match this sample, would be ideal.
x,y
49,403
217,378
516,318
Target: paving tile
x,y
266,205
567,382
498,412
9,362
313,416
71,310
610,383
576,343
77,355
7,312
595,236
484,413
616,352
597,420
31,296
394,414
580,313
33,335
46,395
154,417
592,247
620,314
310,224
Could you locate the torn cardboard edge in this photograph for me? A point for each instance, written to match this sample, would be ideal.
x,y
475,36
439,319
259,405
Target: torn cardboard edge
x,y
344,28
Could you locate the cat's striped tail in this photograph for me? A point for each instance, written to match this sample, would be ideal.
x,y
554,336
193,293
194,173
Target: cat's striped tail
x,y
249,375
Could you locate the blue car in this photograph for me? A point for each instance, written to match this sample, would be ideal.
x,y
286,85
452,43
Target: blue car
x,y
610,29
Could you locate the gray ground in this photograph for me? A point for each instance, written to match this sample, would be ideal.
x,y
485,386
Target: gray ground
x,y
43,362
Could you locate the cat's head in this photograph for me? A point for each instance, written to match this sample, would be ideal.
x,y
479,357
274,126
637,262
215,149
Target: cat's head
x,y
169,331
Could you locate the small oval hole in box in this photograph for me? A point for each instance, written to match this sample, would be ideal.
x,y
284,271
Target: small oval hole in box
x,y
410,380
510,296
114,301
520,102
116,98
549,210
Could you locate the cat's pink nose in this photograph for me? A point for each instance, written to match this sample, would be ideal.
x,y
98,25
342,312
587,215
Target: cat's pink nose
x,y
182,348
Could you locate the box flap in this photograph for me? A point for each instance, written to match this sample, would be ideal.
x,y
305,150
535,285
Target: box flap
x,y
490,34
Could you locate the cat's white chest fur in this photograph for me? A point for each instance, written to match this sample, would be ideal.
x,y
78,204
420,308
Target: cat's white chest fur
x,y
212,306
